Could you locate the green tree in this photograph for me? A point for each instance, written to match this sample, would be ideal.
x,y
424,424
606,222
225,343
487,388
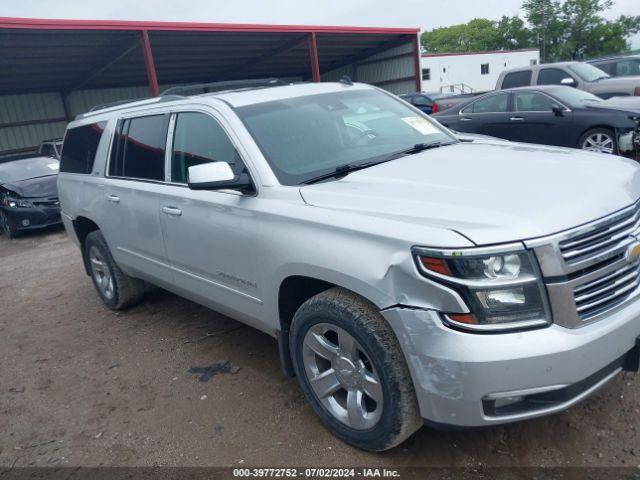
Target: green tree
x,y
575,29
561,29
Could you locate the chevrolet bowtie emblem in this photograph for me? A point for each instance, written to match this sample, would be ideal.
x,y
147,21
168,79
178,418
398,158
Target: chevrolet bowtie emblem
x,y
633,252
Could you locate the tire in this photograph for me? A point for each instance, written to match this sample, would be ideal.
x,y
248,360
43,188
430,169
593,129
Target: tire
x,y
601,140
116,289
340,314
8,226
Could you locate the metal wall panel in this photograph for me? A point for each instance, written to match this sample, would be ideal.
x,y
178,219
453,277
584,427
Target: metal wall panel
x,y
82,101
28,108
393,70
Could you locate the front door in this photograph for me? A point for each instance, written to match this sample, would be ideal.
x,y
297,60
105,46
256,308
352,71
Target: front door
x,y
211,236
534,121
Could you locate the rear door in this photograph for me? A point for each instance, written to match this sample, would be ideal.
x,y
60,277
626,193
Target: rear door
x,y
130,219
533,120
488,115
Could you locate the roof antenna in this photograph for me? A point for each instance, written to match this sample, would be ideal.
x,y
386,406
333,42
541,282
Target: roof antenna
x,y
346,80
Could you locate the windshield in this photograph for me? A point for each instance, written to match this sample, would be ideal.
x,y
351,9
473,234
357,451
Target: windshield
x,y
309,136
588,72
28,168
574,97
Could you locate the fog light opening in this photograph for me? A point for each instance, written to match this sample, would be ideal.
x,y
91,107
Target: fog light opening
x,y
26,223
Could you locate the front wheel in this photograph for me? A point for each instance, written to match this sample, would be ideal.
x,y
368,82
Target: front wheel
x,y
352,371
600,140
8,226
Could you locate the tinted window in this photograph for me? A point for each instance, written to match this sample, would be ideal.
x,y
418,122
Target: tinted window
x,y
531,102
80,146
138,148
47,149
517,79
551,76
609,68
492,104
421,101
627,68
197,139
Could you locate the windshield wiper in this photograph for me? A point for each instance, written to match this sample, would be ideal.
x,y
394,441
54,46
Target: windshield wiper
x,y
344,170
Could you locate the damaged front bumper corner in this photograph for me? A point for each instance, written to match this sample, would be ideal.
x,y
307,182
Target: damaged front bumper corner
x,y
469,380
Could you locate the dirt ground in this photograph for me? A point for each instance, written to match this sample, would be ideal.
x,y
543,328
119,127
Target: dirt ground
x,y
83,386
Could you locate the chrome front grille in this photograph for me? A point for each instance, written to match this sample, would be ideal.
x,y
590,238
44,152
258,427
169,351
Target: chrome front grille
x,y
603,240
604,293
591,270
50,202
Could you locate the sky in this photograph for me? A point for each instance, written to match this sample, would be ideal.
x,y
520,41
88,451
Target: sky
x,y
426,14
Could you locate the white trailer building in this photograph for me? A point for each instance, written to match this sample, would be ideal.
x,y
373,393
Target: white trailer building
x,y
471,71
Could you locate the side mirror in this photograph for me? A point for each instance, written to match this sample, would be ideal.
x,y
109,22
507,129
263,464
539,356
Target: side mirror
x,y
216,176
569,82
557,110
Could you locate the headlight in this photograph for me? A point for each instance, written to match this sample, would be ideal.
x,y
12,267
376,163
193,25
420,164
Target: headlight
x,y
502,286
17,203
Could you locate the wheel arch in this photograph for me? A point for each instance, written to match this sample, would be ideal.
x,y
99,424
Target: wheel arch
x,y
83,226
296,288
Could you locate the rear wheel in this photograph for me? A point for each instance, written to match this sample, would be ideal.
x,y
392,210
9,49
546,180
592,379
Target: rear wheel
x,y
351,369
8,226
602,140
117,289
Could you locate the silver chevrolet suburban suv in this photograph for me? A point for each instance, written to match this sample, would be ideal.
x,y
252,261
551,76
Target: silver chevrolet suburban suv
x,y
408,276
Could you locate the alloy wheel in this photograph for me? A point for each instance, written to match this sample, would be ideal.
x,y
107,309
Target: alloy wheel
x,y
342,376
599,142
101,273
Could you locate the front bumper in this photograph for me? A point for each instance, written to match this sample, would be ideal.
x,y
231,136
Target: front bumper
x,y
36,217
459,376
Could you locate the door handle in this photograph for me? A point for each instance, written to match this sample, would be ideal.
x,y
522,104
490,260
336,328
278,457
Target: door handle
x,y
176,212
517,119
466,119
113,198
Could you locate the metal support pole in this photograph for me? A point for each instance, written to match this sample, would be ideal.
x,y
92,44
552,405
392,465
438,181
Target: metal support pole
x,y
148,61
313,53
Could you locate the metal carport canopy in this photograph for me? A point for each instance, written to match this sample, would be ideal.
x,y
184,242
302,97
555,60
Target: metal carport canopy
x,y
46,55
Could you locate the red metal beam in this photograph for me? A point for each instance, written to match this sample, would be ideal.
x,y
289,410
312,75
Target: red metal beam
x,y
416,63
151,67
63,24
313,54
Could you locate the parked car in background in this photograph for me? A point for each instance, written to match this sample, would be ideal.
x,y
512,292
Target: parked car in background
x,y
51,148
431,102
572,74
28,194
620,66
552,115
407,276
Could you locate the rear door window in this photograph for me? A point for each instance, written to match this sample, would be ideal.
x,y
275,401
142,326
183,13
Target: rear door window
x,y
80,147
139,147
199,138
517,79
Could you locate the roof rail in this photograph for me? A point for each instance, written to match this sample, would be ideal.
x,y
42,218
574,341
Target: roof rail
x,y
224,85
126,103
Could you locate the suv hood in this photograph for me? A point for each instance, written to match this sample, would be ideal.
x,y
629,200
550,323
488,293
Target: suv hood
x,y
488,193
34,187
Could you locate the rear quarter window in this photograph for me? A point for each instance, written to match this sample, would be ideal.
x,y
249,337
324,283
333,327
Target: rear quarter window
x,y
80,147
